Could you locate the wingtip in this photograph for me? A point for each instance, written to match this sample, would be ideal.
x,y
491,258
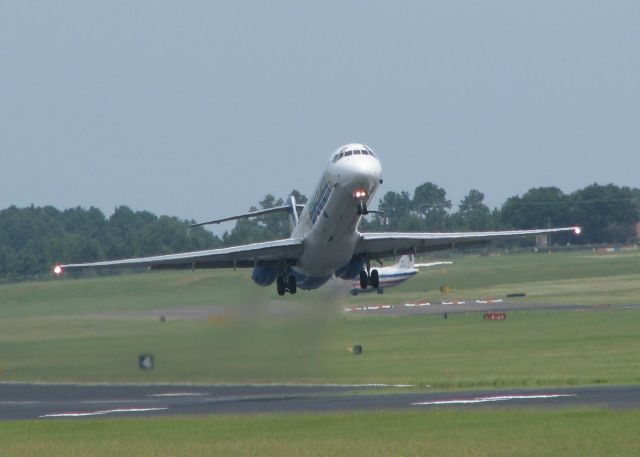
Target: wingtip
x,y
577,230
58,270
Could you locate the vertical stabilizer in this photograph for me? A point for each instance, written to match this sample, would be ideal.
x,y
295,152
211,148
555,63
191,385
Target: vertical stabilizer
x,y
406,262
293,212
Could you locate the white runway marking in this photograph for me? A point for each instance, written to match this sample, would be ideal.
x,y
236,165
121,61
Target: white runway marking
x,y
178,394
102,413
470,401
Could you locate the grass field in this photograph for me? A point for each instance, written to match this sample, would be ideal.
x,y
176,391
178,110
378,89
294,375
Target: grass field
x,y
442,433
47,332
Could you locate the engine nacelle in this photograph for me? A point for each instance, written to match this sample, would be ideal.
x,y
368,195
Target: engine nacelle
x,y
350,270
264,276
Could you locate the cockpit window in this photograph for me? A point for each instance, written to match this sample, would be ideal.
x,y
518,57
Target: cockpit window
x,y
346,153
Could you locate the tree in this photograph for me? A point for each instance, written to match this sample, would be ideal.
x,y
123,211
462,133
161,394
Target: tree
x,y
607,213
473,214
300,198
396,208
431,205
537,208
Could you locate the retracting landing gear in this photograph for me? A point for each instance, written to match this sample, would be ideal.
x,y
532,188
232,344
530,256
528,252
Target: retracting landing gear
x,y
362,208
369,279
360,195
364,280
290,285
293,287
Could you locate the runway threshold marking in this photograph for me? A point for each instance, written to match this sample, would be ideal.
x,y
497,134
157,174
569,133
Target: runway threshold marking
x,y
102,412
469,401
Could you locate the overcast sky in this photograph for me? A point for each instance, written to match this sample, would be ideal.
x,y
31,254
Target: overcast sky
x,y
199,108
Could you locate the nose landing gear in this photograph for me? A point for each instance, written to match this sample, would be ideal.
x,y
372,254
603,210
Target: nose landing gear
x,y
362,208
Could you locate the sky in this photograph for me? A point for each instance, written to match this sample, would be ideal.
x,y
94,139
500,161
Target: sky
x,y
198,109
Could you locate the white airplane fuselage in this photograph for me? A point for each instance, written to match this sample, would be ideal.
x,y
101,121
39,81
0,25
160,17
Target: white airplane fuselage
x,y
328,223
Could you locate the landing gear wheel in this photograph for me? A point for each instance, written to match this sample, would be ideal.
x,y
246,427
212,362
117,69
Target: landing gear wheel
x,y
280,286
375,279
364,280
293,287
362,208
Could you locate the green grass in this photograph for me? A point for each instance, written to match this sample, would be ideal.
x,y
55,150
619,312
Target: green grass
x,y
583,277
536,348
48,334
576,277
443,433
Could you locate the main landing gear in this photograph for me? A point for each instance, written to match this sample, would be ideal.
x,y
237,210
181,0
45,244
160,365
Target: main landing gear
x,y
289,285
369,279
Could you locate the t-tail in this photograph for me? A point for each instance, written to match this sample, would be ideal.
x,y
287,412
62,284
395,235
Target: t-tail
x,y
406,261
293,212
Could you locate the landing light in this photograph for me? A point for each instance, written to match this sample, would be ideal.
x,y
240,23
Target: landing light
x,y
360,193
577,230
57,270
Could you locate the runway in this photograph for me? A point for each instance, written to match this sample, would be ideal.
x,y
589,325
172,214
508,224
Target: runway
x,y
471,306
64,401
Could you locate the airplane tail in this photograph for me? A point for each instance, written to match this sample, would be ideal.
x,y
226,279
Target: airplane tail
x,y
406,261
293,212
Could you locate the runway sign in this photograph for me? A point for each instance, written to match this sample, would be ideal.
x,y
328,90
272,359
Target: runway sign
x,y
145,361
495,316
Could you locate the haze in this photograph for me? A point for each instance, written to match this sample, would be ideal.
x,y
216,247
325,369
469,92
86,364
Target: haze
x,y
198,109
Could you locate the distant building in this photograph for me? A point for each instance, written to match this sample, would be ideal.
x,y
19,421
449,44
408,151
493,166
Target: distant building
x,y
542,241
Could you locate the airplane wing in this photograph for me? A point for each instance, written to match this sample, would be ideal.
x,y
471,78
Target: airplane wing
x,y
391,244
249,255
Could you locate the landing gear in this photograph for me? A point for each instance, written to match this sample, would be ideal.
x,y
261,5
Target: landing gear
x,y
364,280
280,286
290,285
293,287
362,208
372,279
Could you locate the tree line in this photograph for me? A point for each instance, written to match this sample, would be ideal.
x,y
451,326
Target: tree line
x,y
32,239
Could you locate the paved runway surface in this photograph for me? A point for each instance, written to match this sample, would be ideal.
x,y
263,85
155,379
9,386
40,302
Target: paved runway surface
x,y
57,401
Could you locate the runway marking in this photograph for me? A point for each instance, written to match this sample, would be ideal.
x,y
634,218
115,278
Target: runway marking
x,y
103,412
179,394
469,401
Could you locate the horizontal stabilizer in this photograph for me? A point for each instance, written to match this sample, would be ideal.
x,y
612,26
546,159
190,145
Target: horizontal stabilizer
x,y
262,212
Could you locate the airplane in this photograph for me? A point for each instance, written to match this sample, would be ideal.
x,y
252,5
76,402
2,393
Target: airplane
x,y
325,240
395,275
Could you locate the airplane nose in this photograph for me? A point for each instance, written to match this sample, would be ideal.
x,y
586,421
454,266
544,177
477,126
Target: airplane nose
x,y
365,172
